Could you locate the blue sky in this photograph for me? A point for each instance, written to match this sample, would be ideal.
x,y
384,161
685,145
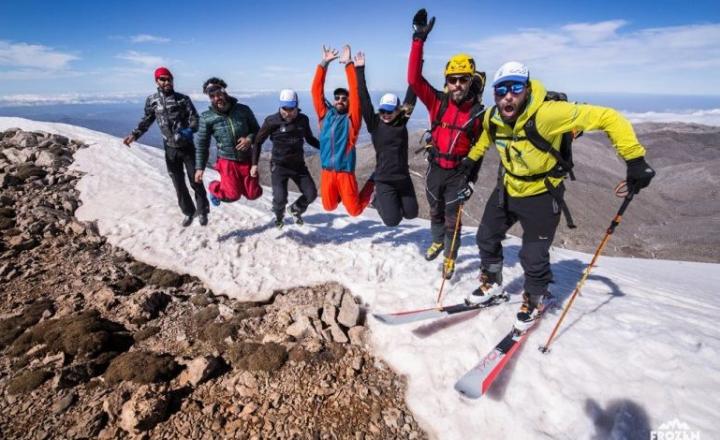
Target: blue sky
x,y
91,48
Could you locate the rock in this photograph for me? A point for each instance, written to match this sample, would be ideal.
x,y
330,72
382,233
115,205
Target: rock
x,y
300,328
165,278
16,156
20,243
358,335
329,312
392,418
27,381
337,334
145,409
47,159
248,410
349,314
147,304
64,403
199,370
27,171
308,311
141,367
24,139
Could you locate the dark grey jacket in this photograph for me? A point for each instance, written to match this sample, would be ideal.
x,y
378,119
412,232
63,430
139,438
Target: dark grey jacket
x,y
173,112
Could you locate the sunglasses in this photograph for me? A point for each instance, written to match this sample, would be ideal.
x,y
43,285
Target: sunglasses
x,y
514,88
452,80
289,109
341,98
386,112
164,79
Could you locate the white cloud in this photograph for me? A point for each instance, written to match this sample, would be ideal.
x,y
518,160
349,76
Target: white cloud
x,y
601,57
146,38
33,56
143,59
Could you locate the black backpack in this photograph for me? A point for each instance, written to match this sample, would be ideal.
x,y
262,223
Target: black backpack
x,y
563,158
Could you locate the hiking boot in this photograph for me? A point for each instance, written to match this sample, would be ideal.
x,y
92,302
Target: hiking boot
x,y
214,200
434,250
203,219
490,287
279,223
530,308
186,221
296,215
448,268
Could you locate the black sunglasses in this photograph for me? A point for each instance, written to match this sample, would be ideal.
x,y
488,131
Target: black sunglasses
x,y
386,112
341,98
164,79
289,109
452,80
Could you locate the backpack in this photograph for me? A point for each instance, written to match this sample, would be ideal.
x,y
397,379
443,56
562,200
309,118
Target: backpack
x,y
563,158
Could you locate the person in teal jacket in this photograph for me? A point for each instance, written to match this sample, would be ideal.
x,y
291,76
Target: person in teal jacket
x,y
233,125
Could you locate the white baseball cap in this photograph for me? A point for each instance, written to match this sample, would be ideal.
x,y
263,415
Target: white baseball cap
x,y
389,102
512,71
288,98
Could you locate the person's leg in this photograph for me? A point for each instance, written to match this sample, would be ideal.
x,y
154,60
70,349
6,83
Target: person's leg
x,y
306,185
454,181
329,190
539,216
250,185
174,163
230,186
354,201
388,203
279,191
408,199
201,200
435,192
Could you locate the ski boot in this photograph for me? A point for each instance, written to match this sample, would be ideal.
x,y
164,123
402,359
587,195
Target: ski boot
x,y
448,268
296,215
214,200
434,250
279,223
203,218
532,306
490,287
187,220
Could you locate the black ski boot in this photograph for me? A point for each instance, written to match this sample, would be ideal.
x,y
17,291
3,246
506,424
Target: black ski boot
x,y
296,215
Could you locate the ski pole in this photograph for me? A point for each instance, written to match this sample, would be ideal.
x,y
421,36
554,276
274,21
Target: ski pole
x,y
452,248
615,222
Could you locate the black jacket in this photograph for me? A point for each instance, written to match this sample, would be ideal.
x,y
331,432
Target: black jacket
x,y
173,112
390,140
287,139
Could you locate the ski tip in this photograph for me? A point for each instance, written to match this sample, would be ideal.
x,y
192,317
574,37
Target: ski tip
x,y
470,394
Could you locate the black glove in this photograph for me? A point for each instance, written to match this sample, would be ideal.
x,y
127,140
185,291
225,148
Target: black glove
x,y
639,174
469,168
465,192
421,27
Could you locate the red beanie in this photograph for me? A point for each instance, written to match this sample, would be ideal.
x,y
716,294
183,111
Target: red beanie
x,y
162,71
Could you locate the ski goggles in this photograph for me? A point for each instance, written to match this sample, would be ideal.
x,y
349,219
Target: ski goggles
x,y
515,88
452,80
214,90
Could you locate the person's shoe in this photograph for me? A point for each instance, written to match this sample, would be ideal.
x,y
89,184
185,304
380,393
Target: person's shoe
x,y
187,220
490,287
448,268
214,200
203,219
296,215
434,250
530,308
279,222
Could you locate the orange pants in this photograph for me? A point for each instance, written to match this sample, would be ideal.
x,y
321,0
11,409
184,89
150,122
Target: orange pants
x,y
336,186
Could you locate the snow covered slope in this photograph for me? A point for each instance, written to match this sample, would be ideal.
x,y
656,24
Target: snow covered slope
x,y
640,347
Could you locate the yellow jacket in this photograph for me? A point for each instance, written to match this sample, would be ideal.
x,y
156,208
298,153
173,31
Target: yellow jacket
x,y
552,120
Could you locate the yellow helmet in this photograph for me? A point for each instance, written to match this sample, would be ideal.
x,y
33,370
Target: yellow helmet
x,y
460,64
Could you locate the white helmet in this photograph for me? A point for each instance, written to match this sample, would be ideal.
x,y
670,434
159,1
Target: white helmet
x,y
512,71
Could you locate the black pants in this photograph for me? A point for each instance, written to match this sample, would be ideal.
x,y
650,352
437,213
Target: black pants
x,y
395,200
279,177
441,188
539,217
175,160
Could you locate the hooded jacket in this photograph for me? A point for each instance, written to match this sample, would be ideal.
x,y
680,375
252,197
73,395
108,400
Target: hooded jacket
x,y
553,118
239,121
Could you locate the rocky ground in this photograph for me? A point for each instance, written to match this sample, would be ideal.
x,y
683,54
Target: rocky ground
x,y
96,344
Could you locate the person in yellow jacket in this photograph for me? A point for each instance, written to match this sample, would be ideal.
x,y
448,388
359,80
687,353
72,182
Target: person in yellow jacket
x,y
531,189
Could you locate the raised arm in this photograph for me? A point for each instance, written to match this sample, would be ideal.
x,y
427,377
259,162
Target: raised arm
x,y
354,109
318,84
423,89
368,112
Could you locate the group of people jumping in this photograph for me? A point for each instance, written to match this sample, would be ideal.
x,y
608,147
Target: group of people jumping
x,y
528,125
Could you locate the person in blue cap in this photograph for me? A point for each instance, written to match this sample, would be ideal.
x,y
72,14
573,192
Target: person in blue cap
x,y
394,192
288,129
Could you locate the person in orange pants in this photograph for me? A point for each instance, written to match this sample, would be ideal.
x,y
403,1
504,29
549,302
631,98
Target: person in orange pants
x,y
339,127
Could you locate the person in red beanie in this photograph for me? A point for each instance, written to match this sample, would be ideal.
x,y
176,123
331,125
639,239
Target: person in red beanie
x,y
178,120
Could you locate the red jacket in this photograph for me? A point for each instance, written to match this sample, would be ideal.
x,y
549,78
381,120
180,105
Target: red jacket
x,y
451,142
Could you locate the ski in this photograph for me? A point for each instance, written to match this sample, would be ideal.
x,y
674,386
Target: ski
x,y
475,383
409,316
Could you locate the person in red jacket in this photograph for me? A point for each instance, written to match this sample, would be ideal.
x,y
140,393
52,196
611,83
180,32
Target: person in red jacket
x,y
456,125
339,126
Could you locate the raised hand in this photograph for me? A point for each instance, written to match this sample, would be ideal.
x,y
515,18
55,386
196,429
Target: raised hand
x,y
421,27
329,54
359,59
346,56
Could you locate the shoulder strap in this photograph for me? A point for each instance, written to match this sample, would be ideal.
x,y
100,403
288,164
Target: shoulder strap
x,y
542,144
